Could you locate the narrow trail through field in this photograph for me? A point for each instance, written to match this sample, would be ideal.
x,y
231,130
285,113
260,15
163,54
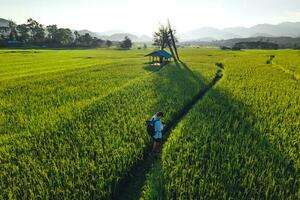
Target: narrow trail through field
x,y
131,186
291,73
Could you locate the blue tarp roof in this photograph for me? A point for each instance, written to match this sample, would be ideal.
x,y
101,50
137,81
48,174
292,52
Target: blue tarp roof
x,y
160,53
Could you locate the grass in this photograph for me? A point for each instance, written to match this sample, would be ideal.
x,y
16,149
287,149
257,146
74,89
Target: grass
x,y
242,140
154,187
72,124
52,86
75,133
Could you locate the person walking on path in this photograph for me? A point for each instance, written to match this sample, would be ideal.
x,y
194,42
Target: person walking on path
x,y
158,127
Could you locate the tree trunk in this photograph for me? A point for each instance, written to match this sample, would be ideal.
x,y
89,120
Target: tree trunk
x,y
172,52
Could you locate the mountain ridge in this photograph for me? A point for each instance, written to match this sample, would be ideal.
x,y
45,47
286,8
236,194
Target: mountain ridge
x,y
284,29
3,22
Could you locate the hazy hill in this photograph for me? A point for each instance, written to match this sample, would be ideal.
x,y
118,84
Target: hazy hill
x,y
3,22
145,38
206,32
121,36
83,32
283,42
262,35
110,32
286,29
116,35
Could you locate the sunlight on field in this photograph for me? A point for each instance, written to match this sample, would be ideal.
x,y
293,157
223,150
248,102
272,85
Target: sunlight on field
x,y
72,123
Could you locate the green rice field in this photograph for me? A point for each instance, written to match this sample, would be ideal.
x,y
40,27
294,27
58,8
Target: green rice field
x,y
72,124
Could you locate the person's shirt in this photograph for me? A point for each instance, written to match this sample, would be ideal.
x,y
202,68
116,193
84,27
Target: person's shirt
x,y
158,127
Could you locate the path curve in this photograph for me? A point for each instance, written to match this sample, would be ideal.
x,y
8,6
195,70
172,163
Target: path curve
x,y
131,186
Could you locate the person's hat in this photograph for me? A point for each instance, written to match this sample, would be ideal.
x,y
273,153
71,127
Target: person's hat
x,y
160,114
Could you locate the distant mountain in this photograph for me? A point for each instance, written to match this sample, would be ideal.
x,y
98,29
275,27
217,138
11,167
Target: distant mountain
x,y
205,39
261,35
110,32
145,38
121,36
206,32
283,42
3,22
286,29
116,35
83,32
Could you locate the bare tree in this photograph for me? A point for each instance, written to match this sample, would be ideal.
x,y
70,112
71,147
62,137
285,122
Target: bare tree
x,y
164,38
173,39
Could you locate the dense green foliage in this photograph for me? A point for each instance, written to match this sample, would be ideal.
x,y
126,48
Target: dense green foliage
x,y
51,84
35,34
282,42
126,43
154,186
255,45
242,140
77,128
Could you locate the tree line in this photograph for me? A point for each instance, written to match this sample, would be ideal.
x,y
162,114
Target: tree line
x,y
35,34
251,45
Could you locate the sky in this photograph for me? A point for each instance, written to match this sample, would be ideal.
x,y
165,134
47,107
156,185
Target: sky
x,y
143,17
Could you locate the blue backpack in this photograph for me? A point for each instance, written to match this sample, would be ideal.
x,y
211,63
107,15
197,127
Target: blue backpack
x,y
150,127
